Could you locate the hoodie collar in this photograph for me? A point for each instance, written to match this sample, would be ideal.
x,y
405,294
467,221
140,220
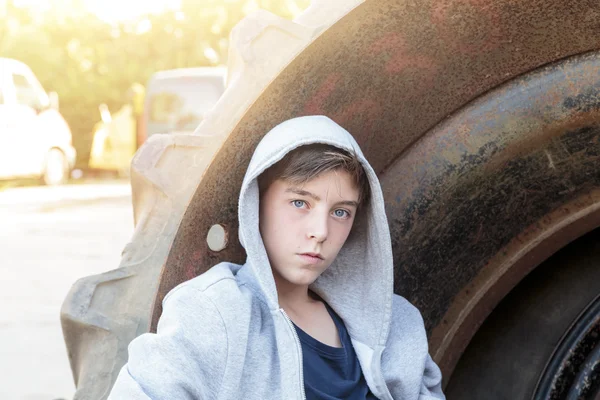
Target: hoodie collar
x,y
359,283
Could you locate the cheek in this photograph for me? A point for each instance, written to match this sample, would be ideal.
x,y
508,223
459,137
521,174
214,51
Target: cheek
x,y
280,226
339,233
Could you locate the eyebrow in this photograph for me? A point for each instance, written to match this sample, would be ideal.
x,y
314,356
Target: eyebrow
x,y
301,192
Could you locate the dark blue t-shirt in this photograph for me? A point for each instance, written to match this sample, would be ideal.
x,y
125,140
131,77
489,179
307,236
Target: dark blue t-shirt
x,y
332,372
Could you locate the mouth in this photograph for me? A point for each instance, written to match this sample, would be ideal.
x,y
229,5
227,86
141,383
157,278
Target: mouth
x,y
316,255
311,258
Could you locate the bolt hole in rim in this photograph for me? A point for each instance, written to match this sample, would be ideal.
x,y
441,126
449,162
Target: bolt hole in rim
x,y
217,238
573,372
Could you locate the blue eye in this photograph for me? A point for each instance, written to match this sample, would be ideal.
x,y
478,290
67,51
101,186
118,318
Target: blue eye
x,y
341,213
298,203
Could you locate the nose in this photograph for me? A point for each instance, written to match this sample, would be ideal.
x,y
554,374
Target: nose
x,y
318,228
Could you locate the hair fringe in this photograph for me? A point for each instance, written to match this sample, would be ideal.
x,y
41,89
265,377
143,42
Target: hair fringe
x,y
307,162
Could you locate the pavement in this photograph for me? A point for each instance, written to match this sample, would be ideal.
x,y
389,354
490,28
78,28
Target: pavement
x,y
49,238
36,197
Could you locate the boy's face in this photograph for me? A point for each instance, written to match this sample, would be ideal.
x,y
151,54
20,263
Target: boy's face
x,y
299,222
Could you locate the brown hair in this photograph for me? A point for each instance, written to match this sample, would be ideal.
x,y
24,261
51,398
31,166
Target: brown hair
x,y
307,162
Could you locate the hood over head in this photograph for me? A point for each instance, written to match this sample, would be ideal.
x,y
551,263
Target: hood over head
x,y
358,284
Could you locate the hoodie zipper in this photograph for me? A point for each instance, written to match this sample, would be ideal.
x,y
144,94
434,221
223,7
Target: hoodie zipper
x,y
299,347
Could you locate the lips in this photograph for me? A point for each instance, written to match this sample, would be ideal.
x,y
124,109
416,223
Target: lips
x,y
316,255
311,258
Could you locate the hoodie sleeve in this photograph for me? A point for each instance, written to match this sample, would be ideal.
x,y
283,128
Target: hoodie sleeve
x,y
408,369
186,357
431,386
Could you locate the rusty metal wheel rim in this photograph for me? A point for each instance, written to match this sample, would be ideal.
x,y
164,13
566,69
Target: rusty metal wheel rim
x,y
573,372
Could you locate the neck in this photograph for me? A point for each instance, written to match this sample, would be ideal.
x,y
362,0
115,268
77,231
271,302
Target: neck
x,y
291,297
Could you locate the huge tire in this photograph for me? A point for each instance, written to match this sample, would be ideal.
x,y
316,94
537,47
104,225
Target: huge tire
x,y
539,341
391,72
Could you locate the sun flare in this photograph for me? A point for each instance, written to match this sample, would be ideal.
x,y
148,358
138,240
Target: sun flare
x,y
109,10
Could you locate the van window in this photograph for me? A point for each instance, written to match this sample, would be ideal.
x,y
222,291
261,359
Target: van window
x,y
179,104
27,94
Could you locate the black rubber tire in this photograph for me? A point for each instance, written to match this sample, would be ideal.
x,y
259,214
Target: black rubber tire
x,y
506,357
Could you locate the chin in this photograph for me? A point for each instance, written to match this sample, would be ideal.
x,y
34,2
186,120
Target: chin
x,y
303,279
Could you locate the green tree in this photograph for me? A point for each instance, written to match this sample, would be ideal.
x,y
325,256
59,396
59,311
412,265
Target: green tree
x,y
88,61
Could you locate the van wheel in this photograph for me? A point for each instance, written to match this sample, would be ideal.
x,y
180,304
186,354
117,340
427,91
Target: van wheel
x,y
56,170
543,341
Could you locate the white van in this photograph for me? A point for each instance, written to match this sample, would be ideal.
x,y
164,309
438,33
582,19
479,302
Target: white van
x,y
35,140
176,100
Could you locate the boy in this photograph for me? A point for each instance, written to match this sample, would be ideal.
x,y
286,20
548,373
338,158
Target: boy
x,y
311,314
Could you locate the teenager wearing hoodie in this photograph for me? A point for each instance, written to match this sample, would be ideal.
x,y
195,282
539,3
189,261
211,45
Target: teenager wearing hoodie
x,y
311,314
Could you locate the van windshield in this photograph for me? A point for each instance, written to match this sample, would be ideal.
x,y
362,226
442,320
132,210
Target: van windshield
x,y
179,104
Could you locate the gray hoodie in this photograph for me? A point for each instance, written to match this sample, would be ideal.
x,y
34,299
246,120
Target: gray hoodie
x,y
223,335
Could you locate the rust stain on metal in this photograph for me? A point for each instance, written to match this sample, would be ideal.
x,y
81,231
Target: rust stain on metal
x,y
401,58
316,104
453,18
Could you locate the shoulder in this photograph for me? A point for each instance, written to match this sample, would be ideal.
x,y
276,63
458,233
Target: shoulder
x,y
404,307
406,318
218,278
203,298
221,291
191,345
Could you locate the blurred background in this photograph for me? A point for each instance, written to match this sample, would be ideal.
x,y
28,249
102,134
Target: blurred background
x,y
83,83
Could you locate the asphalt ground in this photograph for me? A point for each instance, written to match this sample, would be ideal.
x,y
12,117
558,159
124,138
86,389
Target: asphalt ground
x,y
49,238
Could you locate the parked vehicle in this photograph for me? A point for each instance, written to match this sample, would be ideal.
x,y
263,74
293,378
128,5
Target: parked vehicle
x,y
177,100
482,121
35,140
173,102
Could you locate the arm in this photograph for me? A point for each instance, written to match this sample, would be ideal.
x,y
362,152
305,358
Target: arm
x,y
408,369
186,357
431,386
